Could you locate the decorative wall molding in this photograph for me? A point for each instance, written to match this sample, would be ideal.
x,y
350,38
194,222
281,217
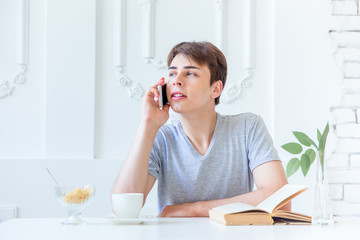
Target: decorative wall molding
x,y
148,30
135,91
220,26
119,33
158,63
233,91
7,87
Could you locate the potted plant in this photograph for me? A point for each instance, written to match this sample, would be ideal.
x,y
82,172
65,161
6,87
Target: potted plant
x,y
307,152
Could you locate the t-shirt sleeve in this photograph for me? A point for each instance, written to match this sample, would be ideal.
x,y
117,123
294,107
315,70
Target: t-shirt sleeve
x,y
260,144
155,157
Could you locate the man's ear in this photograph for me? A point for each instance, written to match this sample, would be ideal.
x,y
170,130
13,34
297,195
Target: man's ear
x,y
217,88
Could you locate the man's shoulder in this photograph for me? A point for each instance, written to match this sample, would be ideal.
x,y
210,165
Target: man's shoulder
x,y
240,119
170,128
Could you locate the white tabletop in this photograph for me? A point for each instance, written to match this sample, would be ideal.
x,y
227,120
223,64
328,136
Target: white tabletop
x,y
171,228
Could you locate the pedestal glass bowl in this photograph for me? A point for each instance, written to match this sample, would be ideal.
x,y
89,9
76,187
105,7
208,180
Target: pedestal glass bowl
x,y
75,199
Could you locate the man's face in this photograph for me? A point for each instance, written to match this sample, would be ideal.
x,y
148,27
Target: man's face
x,y
188,86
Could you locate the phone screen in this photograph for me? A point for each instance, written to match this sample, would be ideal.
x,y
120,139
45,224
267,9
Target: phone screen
x,y
164,95
163,100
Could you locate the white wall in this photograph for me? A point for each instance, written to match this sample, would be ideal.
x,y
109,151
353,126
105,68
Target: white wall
x,y
306,79
72,95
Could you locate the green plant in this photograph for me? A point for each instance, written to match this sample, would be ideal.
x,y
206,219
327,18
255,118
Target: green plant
x,y
306,151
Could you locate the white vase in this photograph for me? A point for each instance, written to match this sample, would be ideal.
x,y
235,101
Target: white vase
x,y
322,214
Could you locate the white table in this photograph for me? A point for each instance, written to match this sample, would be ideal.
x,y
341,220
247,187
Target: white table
x,y
171,228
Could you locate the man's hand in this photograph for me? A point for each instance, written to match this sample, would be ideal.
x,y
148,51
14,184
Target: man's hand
x,y
182,210
151,113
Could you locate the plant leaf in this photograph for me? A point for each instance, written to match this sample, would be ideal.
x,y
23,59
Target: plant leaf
x,y
318,135
303,138
292,147
292,166
305,164
322,144
311,154
322,141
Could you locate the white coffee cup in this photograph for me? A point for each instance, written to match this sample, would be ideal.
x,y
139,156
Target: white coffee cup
x,y
127,205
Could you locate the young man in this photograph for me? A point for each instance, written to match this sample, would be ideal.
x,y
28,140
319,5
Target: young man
x,y
205,159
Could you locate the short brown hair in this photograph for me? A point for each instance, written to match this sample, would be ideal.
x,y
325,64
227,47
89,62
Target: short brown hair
x,y
203,53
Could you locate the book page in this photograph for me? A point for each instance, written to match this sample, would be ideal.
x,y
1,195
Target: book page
x,y
236,208
281,197
291,215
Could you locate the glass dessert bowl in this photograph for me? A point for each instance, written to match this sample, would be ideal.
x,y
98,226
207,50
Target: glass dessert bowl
x,y
75,199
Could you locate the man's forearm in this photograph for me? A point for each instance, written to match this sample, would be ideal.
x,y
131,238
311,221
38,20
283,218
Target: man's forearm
x,y
252,198
201,208
269,177
134,172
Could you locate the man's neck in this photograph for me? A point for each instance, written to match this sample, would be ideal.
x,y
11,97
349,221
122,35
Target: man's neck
x,y
199,128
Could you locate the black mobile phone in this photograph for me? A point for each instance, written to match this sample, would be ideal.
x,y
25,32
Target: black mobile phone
x,y
163,100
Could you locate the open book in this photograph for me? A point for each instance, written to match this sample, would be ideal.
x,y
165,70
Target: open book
x,y
266,213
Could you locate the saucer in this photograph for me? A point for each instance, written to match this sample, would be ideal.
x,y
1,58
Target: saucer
x,y
134,221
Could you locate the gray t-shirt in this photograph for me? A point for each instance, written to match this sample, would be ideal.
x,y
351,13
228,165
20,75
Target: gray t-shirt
x,y
239,144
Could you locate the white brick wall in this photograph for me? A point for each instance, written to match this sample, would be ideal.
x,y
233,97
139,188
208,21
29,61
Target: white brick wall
x,y
344,165
348,130
345,7
345,23
348,176
343,208
338,160
348,145
355,161
352,192
358,115
351,69
349,83
336,191
344,115
350,99
346,39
